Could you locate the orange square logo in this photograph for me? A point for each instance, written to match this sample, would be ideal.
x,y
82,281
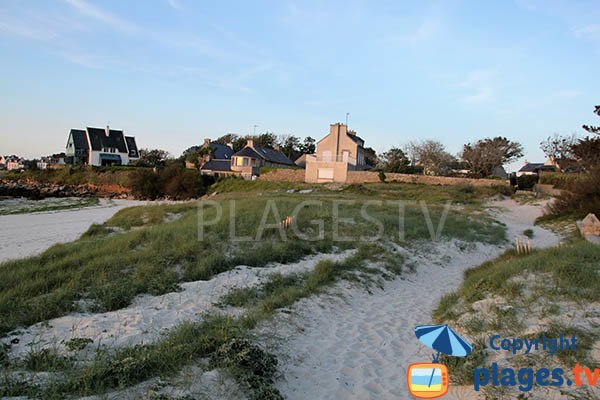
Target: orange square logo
x,y
427,380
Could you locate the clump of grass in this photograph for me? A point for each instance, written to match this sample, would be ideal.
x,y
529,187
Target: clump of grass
x,y
47,359
251,366
446,308
573,268
78,343
528,233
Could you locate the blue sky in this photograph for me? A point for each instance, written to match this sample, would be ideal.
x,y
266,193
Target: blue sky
x,y
172,72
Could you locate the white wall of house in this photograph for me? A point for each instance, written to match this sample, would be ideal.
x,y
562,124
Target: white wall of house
x,y
95,157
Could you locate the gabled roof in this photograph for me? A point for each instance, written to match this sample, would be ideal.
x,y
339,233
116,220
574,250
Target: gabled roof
x,y
96,137
79,139
270,155
217,165
247,152
132,146
535,167
357,139
117,139
221,151
273,156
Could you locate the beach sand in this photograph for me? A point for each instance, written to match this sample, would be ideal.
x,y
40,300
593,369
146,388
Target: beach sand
x,y
358,345
24,235
350,343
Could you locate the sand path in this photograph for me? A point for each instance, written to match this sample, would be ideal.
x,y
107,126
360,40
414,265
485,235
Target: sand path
x,y
358,346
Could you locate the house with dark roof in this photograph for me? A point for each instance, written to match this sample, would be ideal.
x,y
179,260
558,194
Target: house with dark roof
x,y
215,159
246,162
535,168
100,147
342,150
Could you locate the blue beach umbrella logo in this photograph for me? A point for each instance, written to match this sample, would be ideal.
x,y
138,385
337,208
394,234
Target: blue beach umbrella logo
x,y
430,380
443,339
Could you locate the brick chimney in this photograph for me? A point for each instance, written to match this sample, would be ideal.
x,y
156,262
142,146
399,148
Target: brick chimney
x,y
250,143
277,147
206,142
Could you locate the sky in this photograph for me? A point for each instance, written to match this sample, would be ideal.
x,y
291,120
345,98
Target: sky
x,y
172,72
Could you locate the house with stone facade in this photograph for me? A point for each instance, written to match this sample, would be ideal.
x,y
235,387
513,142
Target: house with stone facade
x,y
339,152
245,163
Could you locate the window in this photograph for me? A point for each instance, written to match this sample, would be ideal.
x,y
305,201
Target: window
x,y
246,162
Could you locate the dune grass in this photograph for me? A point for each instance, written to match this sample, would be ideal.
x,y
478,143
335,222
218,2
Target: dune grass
x,y
106,269
224,340
152,249
569,272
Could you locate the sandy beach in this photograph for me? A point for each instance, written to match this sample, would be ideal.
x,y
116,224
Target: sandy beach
x,y
24,235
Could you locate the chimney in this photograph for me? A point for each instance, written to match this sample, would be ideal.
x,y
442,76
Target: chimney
x,y
206,142
107,129
250,143
277,147
229,144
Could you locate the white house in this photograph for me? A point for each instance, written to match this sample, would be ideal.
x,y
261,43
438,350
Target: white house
x,y
100,147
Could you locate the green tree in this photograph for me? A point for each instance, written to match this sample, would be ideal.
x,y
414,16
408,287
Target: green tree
x,y
152,158
309,146
371,157
394,160
486,154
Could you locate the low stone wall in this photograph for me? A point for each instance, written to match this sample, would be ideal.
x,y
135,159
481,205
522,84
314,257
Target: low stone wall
x,y
283,175
297,175
370,177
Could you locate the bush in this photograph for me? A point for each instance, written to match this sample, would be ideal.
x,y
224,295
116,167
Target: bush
x,y
144,184
583,198
525,182
381,176
175,181
560,180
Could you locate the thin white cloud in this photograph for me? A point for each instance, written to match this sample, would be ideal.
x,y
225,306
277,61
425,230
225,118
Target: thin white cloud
x,y
425,31
478,86
591,31
89,10
174,4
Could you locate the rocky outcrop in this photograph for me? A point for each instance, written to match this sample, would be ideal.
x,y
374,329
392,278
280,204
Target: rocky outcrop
x,y
39,190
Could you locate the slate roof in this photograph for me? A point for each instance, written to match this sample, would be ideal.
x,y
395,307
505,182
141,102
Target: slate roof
x,y
356,139
270,155
132,146
79,139
217,165
115,139
221,151
535,167
118,140
248,152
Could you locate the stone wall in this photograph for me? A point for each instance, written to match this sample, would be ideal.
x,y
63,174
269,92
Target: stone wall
x,y
283,175
298,175
368,176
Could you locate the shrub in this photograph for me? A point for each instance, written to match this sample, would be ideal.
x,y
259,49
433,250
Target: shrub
x,y
583,198
525,182
382,176
144,184
174,181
